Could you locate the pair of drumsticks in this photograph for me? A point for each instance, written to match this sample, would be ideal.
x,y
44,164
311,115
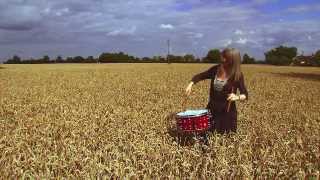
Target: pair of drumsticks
x,y
229,103
185,101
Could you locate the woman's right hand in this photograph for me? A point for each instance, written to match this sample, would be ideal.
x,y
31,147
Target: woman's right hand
x,y
188,89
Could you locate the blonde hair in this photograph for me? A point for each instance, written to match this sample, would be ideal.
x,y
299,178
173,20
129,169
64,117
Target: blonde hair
x,y
233,55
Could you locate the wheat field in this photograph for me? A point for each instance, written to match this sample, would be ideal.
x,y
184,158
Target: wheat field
x,y
101,121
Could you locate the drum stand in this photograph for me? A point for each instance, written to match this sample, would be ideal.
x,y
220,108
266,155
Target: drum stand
x,y
198,137
202,138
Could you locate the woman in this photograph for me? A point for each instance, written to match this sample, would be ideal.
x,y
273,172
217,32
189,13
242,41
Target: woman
x,y
226,78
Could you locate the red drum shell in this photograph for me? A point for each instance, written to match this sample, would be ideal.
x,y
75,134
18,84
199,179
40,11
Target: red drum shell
x,y
194,123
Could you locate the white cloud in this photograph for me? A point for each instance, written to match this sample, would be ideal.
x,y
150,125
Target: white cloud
x,y
242,41
263,1
63,27
304,8
63,11
140,39
22,17
195,43
252,32
238,32
46,10
195,35
122,31
226,42
198,35
166,26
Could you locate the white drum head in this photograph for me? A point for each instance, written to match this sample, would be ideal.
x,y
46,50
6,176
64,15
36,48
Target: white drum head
x,y
195,112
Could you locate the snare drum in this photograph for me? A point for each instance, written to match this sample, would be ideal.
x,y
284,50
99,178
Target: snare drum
x,y
191,121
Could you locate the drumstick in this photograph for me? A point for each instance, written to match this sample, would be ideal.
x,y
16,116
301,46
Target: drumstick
x,y
229,101
184,103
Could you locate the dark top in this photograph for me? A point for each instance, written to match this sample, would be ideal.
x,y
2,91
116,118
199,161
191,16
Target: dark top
x,y
218,99
218,83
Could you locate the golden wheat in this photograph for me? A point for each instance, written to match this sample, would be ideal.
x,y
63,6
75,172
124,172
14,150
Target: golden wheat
x,y
114,120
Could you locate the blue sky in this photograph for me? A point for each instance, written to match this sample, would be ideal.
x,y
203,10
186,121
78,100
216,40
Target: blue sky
x,y
32,28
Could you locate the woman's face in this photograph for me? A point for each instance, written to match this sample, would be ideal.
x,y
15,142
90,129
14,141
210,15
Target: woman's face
x,y
226,62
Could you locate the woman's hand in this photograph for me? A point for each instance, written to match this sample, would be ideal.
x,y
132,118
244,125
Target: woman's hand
x,y
234,97
188,89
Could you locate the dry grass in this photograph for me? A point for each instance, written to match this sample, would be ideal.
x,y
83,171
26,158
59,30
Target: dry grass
x,y
110,120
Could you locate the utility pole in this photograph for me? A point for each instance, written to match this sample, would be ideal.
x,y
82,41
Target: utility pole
x,y
168,42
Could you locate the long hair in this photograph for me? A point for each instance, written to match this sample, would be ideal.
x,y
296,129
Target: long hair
x,y
233,56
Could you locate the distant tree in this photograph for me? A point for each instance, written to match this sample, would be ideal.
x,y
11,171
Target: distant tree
x,y
59,59
78,59
158,59
189,58
90,59
116,58
281,55
260,62
176,59
146,59
31,61
317,57
130,59
105,57
69,60
213,56
15,60
137,60
247,59
46,59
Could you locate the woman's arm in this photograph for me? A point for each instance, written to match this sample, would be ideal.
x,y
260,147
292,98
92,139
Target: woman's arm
x,y
199,77
242,89
202,76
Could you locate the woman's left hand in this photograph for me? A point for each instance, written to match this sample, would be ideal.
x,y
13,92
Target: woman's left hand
x,y
233,97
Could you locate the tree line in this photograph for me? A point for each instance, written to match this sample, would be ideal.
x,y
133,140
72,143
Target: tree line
x,y
281,55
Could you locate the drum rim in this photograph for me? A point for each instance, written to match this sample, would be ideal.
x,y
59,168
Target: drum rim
x,y
198,115
189,116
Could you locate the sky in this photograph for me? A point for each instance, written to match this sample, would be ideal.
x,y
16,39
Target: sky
x,y
34,28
